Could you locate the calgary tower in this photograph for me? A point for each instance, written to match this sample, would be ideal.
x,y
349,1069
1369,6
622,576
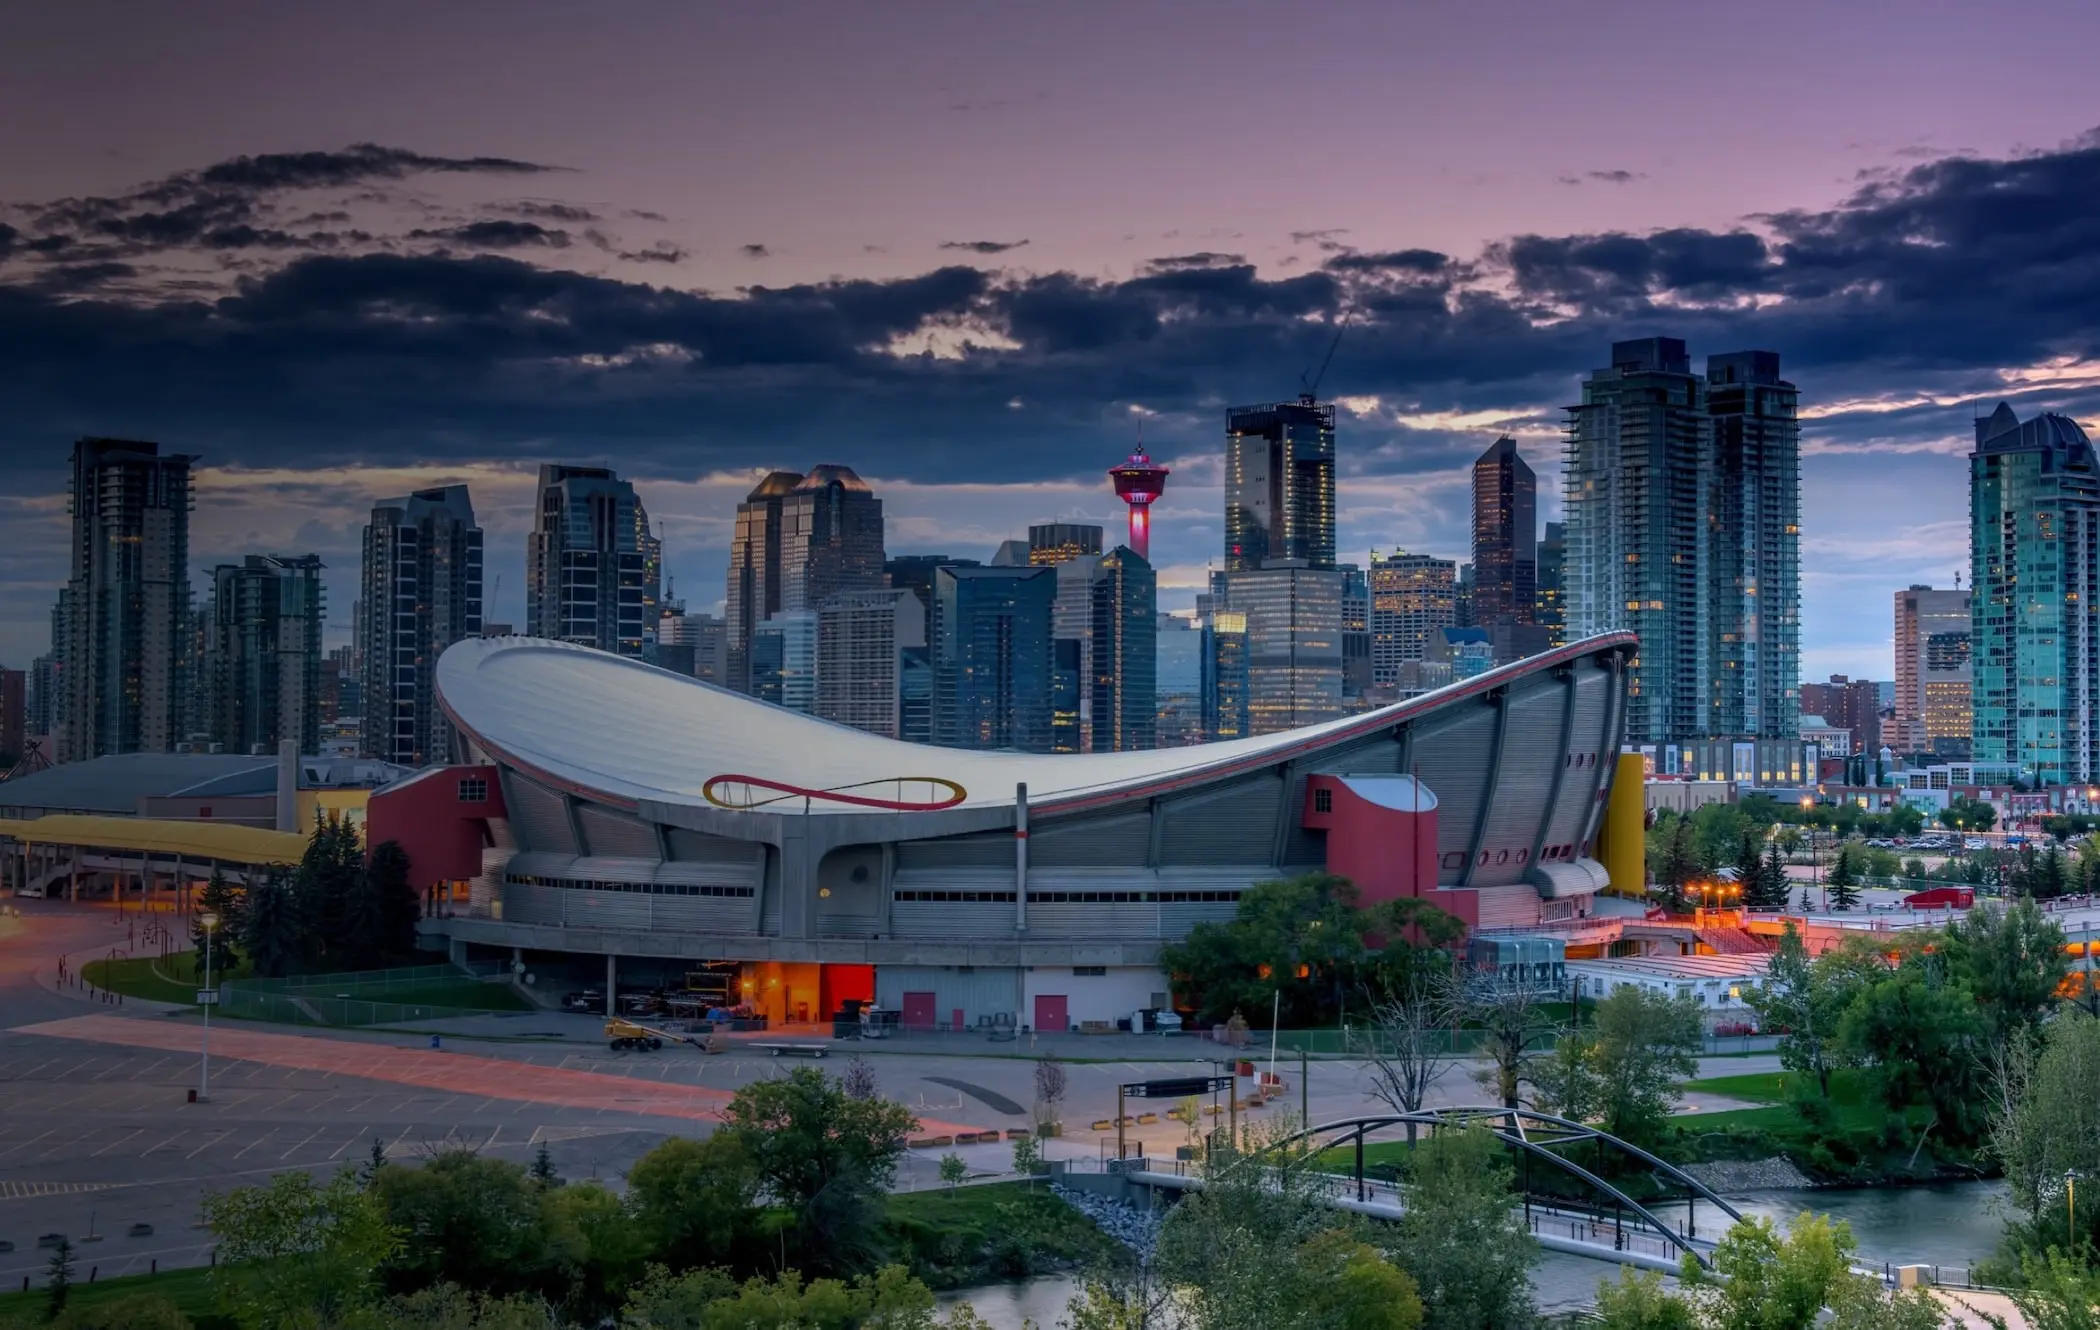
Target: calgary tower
x,y
1138,482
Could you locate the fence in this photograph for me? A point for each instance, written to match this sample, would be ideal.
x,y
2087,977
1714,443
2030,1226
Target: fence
x,y
357,997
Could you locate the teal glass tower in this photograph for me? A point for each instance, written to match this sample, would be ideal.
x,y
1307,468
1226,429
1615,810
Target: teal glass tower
x,y
2034,551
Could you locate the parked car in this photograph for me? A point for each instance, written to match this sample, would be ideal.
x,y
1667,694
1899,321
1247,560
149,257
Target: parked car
x,y
1976,843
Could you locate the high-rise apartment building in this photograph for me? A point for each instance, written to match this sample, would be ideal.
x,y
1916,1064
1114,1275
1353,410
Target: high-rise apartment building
x,y
915,571
1225,676
1123,677
993,657
1934,678
127,601
1178,677
262,657
1547,605
830,538
43,696
1294,644
1279,484
1413,598
1682,498
1754,565
1058,542
1505,536
585,564
754,572
862,638
419,591
696,644
2034,613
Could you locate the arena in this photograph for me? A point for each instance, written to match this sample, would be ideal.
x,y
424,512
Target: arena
x,y
615,820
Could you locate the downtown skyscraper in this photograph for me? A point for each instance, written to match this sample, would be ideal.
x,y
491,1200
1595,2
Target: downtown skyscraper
x,y
586,561
1683,525
754,572
262,657
1935,681
124,614
1505,536
1279,484
419,592
2034,609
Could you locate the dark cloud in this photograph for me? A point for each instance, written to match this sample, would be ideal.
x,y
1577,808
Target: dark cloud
x,y
1402,260
1200,259
663,251
755,251
1925,283
1602,178
357,163
8,236
71,278
1323,237
551,212
497,235
644,215
984,246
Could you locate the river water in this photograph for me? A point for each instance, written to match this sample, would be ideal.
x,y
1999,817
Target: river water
x,y
1946,1224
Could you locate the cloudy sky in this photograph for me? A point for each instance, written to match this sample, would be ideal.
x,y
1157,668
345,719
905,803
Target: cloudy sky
x,y
339,252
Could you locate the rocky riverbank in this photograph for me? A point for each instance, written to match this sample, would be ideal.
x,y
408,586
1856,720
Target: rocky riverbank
x,y
1738,1175
1135,1228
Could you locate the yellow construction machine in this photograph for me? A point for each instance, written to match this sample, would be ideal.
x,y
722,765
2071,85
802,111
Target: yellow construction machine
x,y
622,1034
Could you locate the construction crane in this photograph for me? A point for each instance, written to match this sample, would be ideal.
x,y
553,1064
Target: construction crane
x,y
1310,392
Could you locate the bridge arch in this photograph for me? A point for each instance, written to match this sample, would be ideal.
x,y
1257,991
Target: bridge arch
x,y
1530,1132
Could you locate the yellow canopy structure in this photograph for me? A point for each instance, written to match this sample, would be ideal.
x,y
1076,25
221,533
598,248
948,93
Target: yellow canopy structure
x,y
222,841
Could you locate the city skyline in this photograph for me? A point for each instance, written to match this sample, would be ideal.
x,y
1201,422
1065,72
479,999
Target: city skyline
x,y
962,371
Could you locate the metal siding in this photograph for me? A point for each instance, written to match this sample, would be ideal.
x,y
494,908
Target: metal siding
x,y
1235,825
980,992
1530,750
537,816
607,909
1090,919
524,904
1177,918
951,919
975,851
698,847
702,914
1098,842
607,833
1451,756
1578,789
1508,907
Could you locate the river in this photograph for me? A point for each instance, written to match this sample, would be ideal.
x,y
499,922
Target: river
x,y
1947,1224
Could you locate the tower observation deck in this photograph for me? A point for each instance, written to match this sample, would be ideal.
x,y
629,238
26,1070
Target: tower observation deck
x,y
1138,482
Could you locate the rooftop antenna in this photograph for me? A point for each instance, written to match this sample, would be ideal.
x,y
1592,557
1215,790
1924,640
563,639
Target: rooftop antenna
x,y
1311,391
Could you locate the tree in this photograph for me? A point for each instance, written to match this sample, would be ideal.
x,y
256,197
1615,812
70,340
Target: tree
x,y
825,1156
596,1247
1922,1037
298,1252
859,1078
1261,1248
1796,1002
1626,1067
1678,865
1765,888
222,899
450,1307
58,1279
324,885
2057,1292
139,1312
1295,942
1843,880
274,927
1963,813
379,918
376,1160
1050,1086
696,1200
2045,1124
1460,1238
1638,1301
1761,1281
475,1221
543,1174
1507,1011
2013,962
953,1170
890,1299
1404,1044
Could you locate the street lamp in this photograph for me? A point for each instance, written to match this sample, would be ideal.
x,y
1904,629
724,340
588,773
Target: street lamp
x,y
210,920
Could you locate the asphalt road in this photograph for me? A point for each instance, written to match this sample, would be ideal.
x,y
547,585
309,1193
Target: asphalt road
x,y
98,1135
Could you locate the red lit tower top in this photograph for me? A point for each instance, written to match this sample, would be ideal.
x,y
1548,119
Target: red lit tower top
x,y
1138,482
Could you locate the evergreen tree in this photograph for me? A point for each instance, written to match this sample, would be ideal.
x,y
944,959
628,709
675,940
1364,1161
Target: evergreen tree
x,y
394,902
376,1160
58,1285
223,899
1679,865
274,935
2049,877
543,1166
1808,902
1771,880
1843,881
325,886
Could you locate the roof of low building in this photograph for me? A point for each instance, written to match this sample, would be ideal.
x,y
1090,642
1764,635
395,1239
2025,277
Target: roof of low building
x,y
200,841
1739,965
116,783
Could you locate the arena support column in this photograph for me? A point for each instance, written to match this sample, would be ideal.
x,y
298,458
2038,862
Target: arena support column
x,y
1021,858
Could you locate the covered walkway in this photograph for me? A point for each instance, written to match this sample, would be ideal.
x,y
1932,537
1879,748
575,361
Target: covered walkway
x,y
70,855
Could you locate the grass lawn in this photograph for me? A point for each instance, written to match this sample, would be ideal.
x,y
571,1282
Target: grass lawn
x,y
152,978
188,1289
471,994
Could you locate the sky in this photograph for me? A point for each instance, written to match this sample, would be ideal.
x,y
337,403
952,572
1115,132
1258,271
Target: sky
x,y
339,252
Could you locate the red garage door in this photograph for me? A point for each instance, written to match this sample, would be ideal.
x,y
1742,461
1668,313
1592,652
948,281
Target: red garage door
x,y
918,1011
1050,1012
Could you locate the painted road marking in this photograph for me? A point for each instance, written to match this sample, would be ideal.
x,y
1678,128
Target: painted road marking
x,y
300,1146
209,1144
136,1132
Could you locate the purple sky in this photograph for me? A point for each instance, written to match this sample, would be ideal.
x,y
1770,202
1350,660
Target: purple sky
x,y
332,332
